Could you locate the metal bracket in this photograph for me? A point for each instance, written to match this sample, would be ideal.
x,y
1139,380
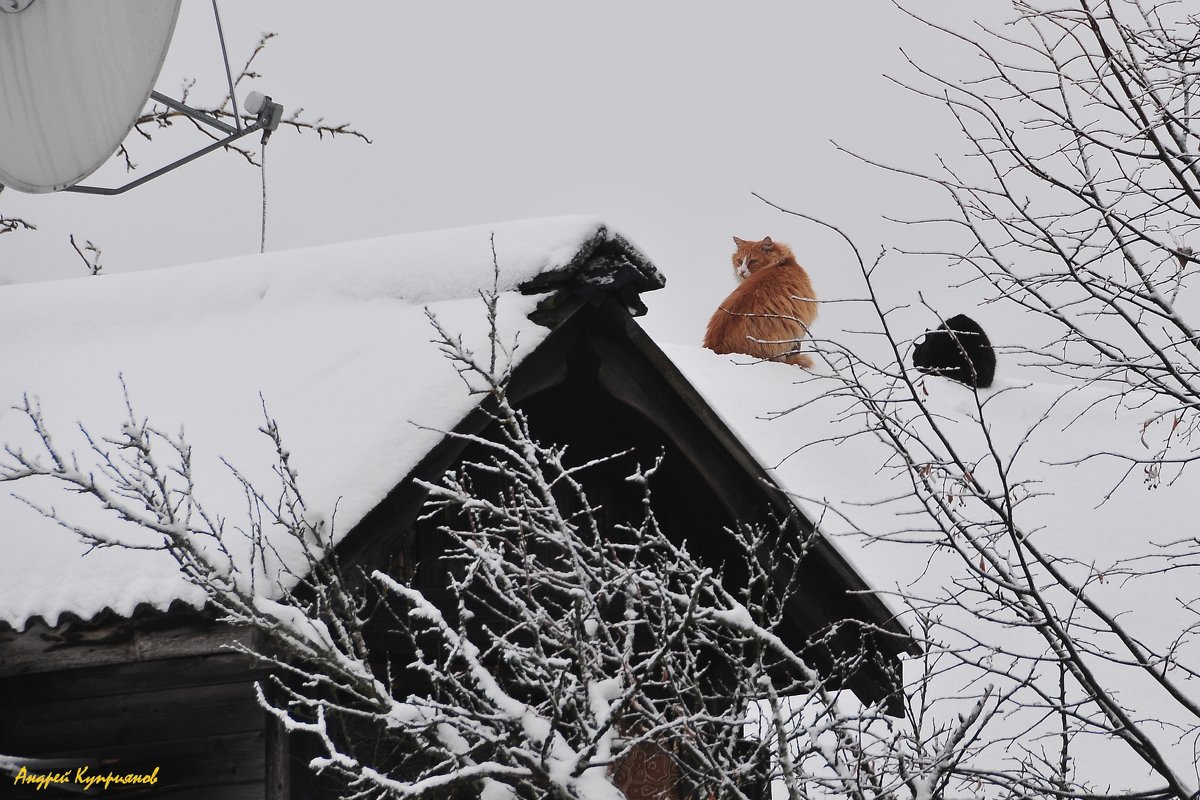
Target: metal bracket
x,y
267,121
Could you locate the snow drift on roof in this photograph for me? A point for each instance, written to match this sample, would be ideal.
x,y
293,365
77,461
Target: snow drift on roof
x,y
335,340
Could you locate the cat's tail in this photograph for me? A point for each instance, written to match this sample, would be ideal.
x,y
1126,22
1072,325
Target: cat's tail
x,y
800,360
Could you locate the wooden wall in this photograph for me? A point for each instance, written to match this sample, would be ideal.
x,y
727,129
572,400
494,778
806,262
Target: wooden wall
x,y
188,709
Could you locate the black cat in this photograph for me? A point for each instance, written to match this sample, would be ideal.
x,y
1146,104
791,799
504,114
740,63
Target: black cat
x,y
959,350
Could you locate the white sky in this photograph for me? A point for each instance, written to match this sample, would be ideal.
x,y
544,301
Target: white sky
x,y
660,117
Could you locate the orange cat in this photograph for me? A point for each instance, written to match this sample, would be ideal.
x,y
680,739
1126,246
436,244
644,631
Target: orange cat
x,y
768,314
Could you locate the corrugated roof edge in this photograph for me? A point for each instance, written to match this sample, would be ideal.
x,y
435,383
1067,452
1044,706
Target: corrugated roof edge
x,y
144,612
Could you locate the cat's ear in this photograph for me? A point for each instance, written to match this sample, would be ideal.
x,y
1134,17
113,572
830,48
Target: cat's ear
x,y
738,242
767,244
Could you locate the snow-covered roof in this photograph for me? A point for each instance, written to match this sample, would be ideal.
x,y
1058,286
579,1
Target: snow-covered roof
x,y
1096,510
1094,514
334,341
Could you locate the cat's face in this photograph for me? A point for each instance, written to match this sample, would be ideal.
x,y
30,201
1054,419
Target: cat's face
x,y
750,257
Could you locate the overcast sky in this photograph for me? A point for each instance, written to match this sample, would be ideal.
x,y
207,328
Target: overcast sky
x,y
660,117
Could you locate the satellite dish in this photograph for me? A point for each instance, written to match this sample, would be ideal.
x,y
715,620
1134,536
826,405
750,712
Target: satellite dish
x,y
74,75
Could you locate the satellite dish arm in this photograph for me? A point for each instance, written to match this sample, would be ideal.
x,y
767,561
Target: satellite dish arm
x,y
193,113
269,116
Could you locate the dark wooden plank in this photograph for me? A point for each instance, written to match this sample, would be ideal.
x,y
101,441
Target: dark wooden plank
x,y
212,761
250,790
43,725
142,676
235,791
44,649
277,757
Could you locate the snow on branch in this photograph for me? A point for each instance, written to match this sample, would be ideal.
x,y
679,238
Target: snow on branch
x,y
160,117
1076,201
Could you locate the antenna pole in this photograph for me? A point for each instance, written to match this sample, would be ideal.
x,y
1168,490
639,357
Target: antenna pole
x,y
237,118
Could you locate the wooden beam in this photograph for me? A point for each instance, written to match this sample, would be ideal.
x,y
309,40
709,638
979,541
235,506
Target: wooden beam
x,y
72,645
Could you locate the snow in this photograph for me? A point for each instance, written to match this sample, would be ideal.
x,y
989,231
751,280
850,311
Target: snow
x,y
835,479
334,338
497,791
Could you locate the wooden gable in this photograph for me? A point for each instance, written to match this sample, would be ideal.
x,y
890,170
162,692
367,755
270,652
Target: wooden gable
x,y
600,385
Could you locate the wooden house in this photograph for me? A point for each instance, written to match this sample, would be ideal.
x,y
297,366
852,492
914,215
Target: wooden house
x,y
109,659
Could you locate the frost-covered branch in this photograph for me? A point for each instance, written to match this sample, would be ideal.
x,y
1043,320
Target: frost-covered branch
x,y
10,224
89,254
1077,201
1004,591
160,117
